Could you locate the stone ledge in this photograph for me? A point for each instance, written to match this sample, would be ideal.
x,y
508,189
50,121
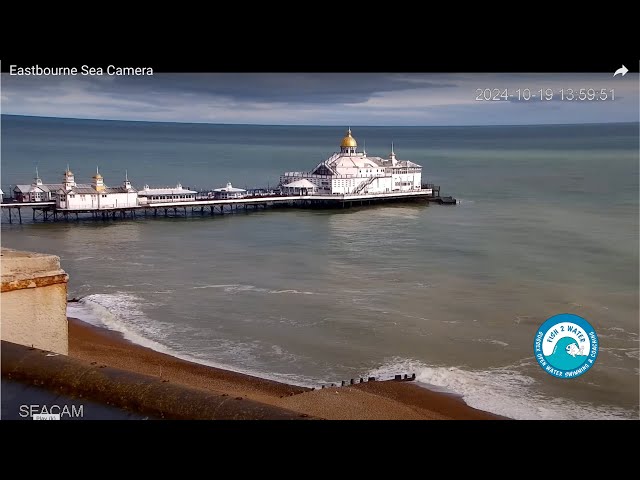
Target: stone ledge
x,y
29,270
16,262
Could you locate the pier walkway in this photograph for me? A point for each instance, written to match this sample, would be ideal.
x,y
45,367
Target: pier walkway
x,y
46,211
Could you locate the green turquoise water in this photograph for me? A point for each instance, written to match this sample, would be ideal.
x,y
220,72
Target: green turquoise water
x,y
548,223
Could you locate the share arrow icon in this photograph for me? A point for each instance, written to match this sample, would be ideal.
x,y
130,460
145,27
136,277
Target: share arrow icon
x,y
623,70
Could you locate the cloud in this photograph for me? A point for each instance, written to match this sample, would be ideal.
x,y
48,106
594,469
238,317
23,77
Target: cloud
x,y
311,98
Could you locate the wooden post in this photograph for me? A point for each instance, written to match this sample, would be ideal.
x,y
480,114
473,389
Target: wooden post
x,y
20,214
10,221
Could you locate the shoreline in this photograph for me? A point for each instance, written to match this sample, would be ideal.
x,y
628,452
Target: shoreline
x,y
379,400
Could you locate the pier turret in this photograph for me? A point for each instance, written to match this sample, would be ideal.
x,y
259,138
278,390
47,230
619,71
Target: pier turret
x,y
98,181
68,180
348,144
37,180
127,183
392,156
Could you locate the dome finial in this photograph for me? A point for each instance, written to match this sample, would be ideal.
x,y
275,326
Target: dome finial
x,y
348,141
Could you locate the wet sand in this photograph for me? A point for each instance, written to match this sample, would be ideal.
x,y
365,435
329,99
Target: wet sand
x,y
389,400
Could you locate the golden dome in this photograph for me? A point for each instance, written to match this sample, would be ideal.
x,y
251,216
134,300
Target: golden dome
x,y
97,175
348,141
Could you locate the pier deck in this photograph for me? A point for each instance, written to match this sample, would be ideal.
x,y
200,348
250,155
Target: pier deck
x,y
48,211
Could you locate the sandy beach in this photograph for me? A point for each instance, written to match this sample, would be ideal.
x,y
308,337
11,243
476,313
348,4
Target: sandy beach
x,y
388,400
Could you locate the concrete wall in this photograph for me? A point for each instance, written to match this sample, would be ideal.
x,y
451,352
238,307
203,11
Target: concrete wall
x,y
33,300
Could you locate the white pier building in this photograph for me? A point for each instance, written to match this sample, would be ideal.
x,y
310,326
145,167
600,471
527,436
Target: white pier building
x,y
148,195
37,191
94,196
350,171
228,192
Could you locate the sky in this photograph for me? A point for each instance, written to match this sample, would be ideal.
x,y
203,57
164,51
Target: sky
x,y
359,99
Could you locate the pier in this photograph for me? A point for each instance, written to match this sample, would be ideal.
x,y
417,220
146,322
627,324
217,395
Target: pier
x,y
47,211
348,178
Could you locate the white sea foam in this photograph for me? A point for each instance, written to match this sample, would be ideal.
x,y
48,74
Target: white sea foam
x,y
217,286
118,312
493,341
503,391
291,291
236,288
121,313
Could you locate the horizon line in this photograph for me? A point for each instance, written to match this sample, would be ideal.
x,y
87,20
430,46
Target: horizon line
x,y
310,124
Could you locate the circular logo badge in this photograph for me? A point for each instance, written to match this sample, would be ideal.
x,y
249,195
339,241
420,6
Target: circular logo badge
x,y
566,346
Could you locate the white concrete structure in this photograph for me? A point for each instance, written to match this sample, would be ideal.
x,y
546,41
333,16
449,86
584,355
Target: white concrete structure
x,y
37,191
34,301
353,172
163,195
96,196
228,192
1,195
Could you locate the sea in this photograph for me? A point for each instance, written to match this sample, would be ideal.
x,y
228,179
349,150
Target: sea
x,y
547,223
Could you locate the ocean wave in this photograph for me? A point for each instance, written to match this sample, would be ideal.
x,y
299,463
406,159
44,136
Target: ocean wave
x,y
216,286
118,312
121,313
503,391
238,288
291,291
491,340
